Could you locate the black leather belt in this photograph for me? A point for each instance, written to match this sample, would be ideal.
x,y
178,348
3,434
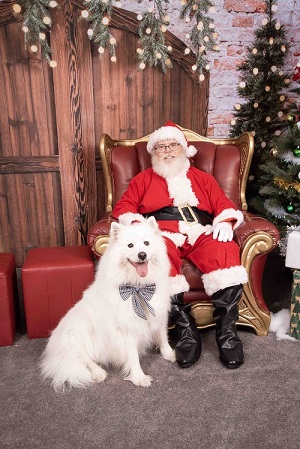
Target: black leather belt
x,y
189,214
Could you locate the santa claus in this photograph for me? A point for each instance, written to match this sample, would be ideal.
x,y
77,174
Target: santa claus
x,y
198,221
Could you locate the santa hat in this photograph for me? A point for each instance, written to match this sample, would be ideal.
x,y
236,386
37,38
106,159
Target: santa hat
x,y
170,131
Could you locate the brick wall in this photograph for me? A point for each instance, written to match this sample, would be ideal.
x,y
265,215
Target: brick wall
x,y
235,21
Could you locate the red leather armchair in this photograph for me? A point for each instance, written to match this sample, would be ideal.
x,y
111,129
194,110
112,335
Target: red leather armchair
x,y
228,160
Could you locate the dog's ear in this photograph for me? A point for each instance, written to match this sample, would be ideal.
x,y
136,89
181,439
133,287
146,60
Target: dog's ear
x,y
153,223
114,230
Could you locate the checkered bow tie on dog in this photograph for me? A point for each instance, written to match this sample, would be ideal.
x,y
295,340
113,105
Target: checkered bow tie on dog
x,y
139,293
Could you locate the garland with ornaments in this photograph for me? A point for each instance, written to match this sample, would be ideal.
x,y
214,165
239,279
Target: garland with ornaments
x,y
153,49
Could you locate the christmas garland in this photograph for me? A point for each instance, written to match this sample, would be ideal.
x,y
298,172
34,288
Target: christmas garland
x,y
153,50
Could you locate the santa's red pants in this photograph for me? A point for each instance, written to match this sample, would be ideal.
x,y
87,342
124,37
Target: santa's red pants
x,y
206,253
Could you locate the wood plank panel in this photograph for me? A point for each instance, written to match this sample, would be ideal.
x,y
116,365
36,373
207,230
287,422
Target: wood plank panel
x,y
75,122
30,210
131,103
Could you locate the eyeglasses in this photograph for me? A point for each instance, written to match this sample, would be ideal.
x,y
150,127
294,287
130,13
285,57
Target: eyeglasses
x,y
161,148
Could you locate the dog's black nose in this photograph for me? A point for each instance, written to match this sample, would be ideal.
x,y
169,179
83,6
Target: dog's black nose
x,y
142,255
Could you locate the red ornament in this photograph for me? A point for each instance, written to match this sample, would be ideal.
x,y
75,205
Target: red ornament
x,y
296,72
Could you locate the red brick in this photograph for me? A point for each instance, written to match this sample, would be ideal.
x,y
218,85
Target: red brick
x,y
234,50
243,21
221,119
228,64
245,6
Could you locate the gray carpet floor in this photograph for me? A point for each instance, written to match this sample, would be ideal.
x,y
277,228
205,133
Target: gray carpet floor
x,y
203,407
206,406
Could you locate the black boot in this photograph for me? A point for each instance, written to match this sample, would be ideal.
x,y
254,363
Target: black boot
x,y
226,314
186,335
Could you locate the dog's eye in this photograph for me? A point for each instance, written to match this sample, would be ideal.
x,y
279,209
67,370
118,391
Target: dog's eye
x,y
146,243
130,245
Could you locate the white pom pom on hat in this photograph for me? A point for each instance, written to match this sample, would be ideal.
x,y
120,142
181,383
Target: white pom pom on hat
x,y
170,131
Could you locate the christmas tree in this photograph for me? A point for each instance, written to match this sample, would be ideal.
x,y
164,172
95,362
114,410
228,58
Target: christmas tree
x,y
279,194
262,83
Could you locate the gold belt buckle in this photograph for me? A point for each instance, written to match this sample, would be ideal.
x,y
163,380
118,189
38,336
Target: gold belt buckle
x,y
180,208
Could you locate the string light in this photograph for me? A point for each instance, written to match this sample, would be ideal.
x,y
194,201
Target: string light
x,y
47,20
17,8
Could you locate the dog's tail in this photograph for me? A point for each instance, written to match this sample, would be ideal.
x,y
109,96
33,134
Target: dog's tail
x,y
64,373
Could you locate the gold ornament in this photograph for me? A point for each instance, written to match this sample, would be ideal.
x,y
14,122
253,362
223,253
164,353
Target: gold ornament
x,y
273,152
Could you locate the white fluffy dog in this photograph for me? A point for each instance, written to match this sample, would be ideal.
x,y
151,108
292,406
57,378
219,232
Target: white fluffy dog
x,y
121,314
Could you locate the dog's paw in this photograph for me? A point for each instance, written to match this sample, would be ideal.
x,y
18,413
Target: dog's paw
x,y
140,381
168,354
98,374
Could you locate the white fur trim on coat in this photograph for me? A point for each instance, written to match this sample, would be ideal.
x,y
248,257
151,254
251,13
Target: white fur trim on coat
x,y
180,188
129,217
177,239
178,284
223,278
170,133
193,231
226,214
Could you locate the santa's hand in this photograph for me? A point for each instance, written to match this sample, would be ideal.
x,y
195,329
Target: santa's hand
x,y
223,232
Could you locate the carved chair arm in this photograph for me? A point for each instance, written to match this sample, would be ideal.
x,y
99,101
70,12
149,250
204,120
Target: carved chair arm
x,y
98,235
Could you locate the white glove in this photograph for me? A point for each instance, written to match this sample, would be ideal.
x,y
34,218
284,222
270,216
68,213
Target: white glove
x,y
223,232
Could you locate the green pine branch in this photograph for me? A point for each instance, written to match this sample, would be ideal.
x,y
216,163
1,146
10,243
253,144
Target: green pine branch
x,y
154,51
36,23
203,35
98,14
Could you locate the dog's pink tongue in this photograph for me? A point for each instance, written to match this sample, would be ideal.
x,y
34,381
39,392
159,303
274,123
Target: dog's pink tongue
x,y
141,268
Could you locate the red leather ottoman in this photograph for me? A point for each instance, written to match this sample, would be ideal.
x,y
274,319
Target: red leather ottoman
x,y
8,282
53,281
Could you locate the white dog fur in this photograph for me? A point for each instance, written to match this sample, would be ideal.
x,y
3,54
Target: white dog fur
x,y
103,329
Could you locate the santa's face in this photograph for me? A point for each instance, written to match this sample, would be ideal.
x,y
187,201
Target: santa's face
x,y
168,158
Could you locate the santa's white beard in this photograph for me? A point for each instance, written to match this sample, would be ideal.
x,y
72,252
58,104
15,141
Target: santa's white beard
x,y
168,168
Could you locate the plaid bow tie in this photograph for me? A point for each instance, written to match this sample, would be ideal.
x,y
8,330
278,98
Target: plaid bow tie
x,y
139,293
